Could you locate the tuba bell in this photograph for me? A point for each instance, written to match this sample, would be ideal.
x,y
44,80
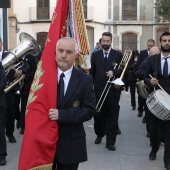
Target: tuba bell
x,y
27,45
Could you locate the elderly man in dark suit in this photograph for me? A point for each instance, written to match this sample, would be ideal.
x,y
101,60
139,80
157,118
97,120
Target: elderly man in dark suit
x,y
76,104
160,75
102,68
3,112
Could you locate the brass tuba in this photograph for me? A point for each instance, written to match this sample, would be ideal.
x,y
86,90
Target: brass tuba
x,y
27,45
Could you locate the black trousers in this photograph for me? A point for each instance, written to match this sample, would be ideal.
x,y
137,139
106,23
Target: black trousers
x,y
3,149
17,107
125,80
10,121
106,121
132,93
156,135
67,166
59,166
141,104
24,98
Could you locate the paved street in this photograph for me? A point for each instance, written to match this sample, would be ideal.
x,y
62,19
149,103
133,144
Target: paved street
x,y
132,146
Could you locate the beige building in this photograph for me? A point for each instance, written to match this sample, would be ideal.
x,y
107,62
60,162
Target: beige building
x,y
130,21
32,17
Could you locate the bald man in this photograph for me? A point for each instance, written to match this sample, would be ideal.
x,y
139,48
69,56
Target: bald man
x,y
141,72
154,50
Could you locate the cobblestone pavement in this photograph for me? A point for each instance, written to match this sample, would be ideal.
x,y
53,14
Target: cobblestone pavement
x,y
132,146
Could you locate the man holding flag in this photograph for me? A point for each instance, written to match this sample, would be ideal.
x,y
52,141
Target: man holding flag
x,y
77,106
44,144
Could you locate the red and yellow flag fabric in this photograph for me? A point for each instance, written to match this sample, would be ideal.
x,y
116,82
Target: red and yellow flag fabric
x,y
41,134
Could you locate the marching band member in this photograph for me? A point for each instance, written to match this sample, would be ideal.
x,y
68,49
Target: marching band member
x,y
163,78
102,67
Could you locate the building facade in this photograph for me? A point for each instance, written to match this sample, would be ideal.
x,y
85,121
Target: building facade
x,y
131,22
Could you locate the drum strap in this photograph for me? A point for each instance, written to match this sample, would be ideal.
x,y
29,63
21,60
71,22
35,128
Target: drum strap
x,y
156,66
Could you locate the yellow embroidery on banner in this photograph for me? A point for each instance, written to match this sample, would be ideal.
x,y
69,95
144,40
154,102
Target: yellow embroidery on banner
x,y
43,167
54,17
35,85
47,40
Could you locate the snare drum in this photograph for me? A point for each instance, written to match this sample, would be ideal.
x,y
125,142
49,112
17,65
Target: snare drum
x,y
158,102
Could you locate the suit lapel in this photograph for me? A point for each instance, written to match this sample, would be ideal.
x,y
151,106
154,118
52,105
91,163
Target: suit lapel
x,y
102,57
73,83
159,65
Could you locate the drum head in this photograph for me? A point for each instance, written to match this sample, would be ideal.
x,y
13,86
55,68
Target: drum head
x,y
163,98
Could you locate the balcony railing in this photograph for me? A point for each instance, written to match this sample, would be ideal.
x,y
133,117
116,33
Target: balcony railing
x,y
44,14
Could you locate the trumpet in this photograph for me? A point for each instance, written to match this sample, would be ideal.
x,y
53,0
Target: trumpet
x,y
123,65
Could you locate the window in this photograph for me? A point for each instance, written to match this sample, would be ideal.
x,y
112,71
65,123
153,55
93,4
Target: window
x,y
41,39
109,9
84,3
129,40
43,9
129,9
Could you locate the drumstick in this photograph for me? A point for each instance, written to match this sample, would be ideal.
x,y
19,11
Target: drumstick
x,y
159,85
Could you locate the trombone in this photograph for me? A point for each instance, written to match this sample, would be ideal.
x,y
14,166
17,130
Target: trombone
x,y
123,65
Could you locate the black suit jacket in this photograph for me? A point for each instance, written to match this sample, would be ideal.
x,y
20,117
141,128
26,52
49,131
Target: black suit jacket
x,y
3,103
99,68
143,55
30,65
164,82
78,107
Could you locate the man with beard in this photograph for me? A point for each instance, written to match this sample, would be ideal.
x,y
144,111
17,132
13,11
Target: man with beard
x,y
102,68
162,76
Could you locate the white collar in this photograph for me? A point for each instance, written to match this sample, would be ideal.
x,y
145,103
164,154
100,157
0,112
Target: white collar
x,y
162,57
67,73
107,51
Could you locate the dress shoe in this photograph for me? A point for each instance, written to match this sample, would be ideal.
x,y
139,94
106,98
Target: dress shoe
x,y
152,156
147,135
167,167
143,120
22,132
98,140
110,147
140,114
118,132
18,124
133,108
2,161
11,139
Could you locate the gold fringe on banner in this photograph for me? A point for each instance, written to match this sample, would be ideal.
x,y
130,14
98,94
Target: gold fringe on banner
x,y
81,28
43,167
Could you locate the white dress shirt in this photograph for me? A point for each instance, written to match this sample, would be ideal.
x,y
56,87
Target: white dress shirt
x,y
66,78
163,61
0,55
106,52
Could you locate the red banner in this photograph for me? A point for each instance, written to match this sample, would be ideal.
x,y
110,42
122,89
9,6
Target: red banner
x,y
40,136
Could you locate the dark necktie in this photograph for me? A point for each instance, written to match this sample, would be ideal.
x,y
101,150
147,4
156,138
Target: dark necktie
x,y
165,68
105,57
61,89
